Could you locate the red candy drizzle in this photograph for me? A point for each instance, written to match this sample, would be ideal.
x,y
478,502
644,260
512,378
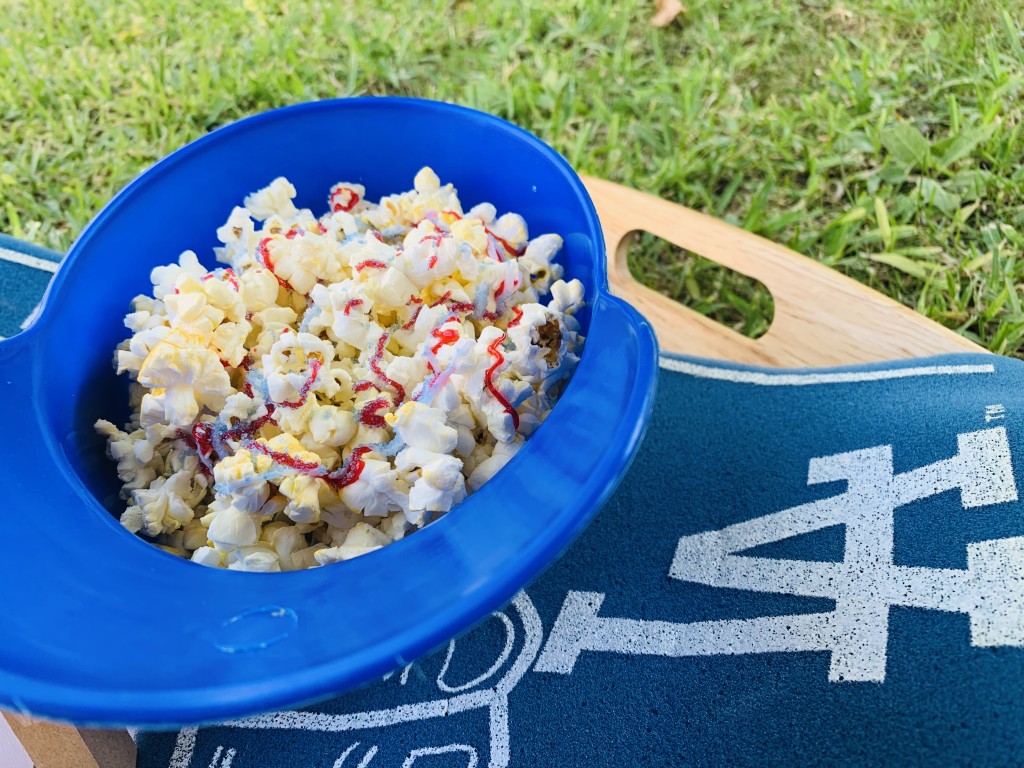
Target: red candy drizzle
x,y
436,239
411,322
447,295
350,305
200,439
314,371
370,264
229,275
343,199
352,468
454,306
248,431
375,367
499,358
244,366
446,336
312,468
504,243
263,249
368,415
518,316
349,472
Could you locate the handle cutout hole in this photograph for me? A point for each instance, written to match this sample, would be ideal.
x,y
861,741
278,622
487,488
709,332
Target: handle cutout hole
x,y
736,301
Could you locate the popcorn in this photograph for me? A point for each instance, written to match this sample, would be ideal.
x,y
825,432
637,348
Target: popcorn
x,y
337,383
165,279
330,425
208,556
420,426
165,506
142,343
240,478
439,485
360,540
273,200
256,559
231,527
489,467
377,490
183,377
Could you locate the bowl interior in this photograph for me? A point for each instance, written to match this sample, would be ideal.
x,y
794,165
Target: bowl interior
x,y
178,205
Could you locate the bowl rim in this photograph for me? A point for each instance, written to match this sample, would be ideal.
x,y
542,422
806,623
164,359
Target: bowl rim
x,y
154,172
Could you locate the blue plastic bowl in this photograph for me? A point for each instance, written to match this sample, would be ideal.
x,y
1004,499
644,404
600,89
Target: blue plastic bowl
x,y
101,627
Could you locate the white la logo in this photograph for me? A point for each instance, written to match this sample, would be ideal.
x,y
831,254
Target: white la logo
x,y
864,585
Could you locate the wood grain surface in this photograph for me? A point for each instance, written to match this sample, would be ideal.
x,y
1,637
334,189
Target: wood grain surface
x,y
821,317
52,745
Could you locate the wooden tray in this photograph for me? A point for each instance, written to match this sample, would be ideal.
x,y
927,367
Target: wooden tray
x,y
821,319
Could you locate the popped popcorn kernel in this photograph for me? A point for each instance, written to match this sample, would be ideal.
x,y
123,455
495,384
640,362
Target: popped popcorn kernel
x,y
336,383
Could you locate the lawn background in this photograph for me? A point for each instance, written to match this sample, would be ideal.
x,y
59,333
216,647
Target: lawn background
x,y
882,138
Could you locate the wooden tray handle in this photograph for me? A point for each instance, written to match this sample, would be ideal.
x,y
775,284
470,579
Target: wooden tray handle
x,y
821,317
52,745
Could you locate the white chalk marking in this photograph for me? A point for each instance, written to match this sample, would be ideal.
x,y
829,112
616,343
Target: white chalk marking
x,y
31,316
501,746
370,753
28,261
228,759
789,379
380,718
344,755
578,628
510,637
405,674
445,750
183,748
368,757
995,412
864,585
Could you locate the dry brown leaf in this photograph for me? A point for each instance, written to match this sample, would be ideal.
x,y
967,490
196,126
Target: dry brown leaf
x,y
665,11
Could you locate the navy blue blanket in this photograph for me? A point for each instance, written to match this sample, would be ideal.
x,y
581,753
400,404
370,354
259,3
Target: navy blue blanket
x,y
801,568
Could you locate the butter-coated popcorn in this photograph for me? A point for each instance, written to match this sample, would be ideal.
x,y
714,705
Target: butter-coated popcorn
x,y
231,527
334,383
273,200
208,556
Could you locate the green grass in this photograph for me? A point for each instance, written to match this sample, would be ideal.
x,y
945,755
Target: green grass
x,y
882,137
